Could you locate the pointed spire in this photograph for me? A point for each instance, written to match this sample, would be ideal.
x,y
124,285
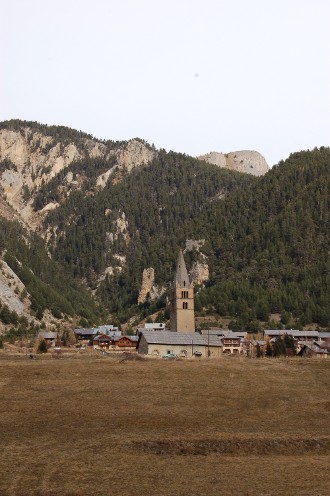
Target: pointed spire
x,y
181,275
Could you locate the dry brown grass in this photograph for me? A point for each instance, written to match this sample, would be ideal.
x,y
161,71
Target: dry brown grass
x,y
96,426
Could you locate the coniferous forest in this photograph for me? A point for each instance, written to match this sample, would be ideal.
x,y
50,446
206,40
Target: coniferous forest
x,y
266,239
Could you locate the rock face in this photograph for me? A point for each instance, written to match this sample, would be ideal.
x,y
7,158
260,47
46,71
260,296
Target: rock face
x,y
34,159
148,279
250,162
11,287
199,273
134,155
148,288
194,244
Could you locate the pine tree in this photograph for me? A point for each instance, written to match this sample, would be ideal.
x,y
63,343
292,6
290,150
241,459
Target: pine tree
x,y
42,348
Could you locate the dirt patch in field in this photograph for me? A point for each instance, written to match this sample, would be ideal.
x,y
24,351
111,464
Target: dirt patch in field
x,y
238,447
132,357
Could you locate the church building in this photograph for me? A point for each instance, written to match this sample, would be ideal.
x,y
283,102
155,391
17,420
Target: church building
x,y
182,340
182,300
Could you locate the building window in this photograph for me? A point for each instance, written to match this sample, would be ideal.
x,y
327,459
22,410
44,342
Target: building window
x,y
185,305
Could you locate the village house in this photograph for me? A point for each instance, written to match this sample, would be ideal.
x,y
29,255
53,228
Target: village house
x,y
50,337
84,336
232,344
108,342
215,331
102,341
125,342
324,336
314,350
154,326
297,335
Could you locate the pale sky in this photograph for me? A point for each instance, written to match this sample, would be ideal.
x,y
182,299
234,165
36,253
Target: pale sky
x,y
192,76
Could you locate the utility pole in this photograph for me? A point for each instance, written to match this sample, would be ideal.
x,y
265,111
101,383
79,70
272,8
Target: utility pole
x,y
208,342
26,342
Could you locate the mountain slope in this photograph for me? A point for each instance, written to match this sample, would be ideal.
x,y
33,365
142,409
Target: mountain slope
x,y
105,211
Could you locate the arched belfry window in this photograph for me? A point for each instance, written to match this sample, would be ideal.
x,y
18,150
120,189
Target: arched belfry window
x,y
184,283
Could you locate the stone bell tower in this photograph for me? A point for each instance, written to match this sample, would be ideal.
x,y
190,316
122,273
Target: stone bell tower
x,y
182,300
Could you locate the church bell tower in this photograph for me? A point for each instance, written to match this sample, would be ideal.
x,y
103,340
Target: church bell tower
x,y
182,300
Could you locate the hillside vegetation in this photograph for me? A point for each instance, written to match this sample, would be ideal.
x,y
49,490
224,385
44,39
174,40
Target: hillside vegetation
x,y
110,211
48,285
266,240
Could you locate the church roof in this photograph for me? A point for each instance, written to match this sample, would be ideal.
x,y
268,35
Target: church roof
x,y
181,274
178,338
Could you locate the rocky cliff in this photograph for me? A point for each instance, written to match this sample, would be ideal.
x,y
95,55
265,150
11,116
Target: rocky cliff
x,y
149,291
250,162
31,158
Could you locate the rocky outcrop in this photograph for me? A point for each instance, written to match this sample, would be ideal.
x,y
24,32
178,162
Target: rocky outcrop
x,y
250,162
12,290
34,159
149,291
199,273
192,244
148,279
136,154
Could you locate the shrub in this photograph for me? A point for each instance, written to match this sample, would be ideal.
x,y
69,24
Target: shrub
x,y
42,348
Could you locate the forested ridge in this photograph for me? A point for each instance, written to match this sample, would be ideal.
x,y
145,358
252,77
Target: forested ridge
x,y
49,285
266,239
271,253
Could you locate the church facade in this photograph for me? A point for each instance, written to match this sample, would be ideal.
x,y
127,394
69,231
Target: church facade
x,y
182,300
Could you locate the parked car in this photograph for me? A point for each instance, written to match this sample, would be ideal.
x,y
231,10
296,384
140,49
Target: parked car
x,y
169,355
198,353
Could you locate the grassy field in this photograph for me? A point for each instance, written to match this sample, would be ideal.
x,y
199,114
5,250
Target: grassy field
x,y
84,426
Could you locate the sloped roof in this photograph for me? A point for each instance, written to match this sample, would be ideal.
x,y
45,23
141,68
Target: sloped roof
x,y
224,333
47,335
324,335
231,335
291,332
102,337
178,338
317,349
86,332
132,338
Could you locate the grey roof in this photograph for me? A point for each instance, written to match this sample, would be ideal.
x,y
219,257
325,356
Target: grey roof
x,y
184,339
291,332
317,349
181,274
47,335
102,336
86,332
324,335
224,333
231,335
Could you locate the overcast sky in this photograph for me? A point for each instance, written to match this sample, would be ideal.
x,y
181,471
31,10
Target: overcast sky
x,y
187,75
